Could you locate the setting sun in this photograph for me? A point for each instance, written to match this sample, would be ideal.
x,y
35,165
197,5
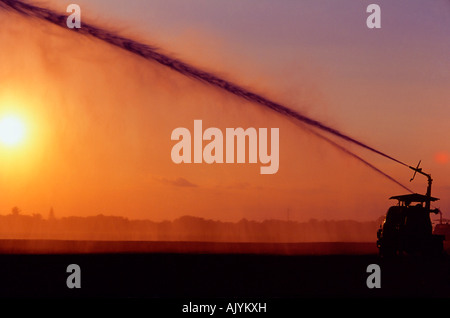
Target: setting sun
x,y
12,130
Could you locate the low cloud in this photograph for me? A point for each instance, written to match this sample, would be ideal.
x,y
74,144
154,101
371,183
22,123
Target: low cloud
x,y
178,182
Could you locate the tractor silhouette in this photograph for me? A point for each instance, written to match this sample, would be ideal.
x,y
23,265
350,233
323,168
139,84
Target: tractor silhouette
x,y
407,226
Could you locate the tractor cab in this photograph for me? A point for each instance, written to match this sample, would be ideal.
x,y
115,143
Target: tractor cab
x,y
407,226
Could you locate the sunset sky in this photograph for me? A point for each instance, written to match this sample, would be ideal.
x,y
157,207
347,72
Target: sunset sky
x,y
97,120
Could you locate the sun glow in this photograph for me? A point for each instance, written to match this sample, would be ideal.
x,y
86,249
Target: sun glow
x,y
12,130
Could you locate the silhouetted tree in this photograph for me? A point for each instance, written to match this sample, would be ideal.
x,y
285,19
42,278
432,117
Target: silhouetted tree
x,y
15,211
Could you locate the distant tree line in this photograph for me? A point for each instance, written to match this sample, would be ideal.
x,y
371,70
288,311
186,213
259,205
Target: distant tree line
x,y
186,228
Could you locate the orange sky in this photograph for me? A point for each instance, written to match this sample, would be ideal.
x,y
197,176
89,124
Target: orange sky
x,y
99,122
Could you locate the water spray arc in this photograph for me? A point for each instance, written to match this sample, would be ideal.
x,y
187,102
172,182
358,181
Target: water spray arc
x,y
151,53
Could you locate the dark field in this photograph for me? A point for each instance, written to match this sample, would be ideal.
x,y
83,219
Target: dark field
x,y
226,271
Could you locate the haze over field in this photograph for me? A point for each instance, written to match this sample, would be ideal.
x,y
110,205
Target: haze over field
x,y
186,228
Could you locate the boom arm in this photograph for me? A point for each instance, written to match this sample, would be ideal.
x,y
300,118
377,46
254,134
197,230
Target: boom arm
x,y
419,170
